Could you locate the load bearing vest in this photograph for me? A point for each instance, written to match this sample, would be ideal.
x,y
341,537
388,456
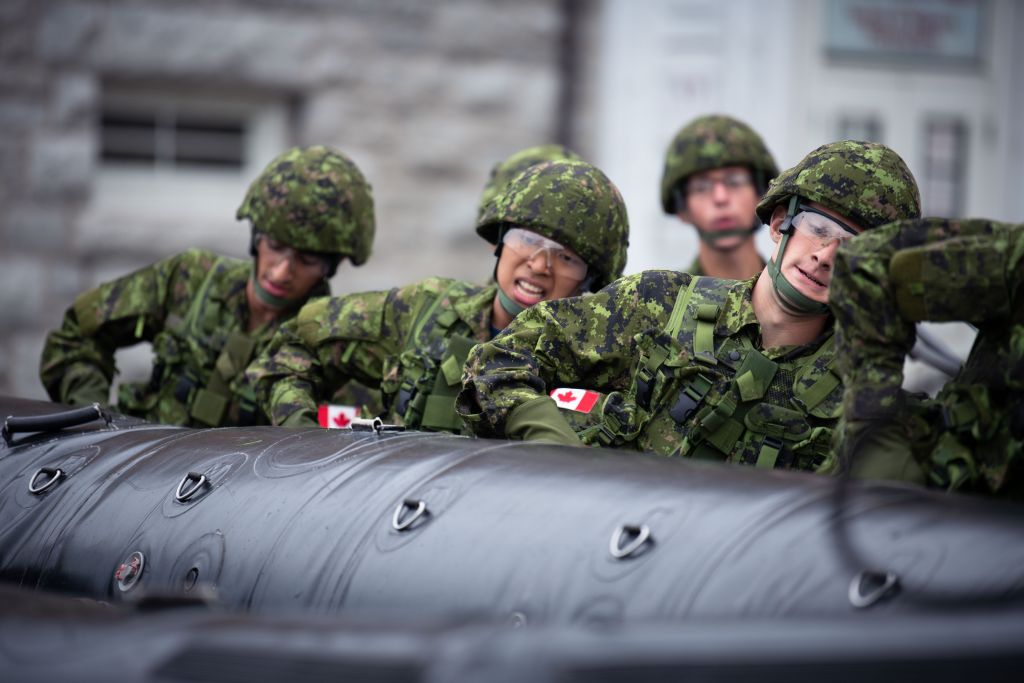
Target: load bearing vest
x,y
430,370
196,361
698,396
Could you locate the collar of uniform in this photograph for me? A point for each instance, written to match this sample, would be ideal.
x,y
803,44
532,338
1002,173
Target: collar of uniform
x,y
738,308
234,297
475,309
695,268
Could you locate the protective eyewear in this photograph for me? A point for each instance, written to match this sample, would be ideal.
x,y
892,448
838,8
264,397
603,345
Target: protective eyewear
x,y
559,260
732,181
820,228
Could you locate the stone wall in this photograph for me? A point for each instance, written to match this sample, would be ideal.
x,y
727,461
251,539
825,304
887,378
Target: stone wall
x,y
424,94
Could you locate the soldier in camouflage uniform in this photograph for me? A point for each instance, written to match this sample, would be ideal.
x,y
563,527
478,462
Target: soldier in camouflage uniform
x,y
207,315
559,229
716,170
971,436
695,366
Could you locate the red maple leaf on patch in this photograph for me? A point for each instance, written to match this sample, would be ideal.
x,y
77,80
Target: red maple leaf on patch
x,y
341,419
566,397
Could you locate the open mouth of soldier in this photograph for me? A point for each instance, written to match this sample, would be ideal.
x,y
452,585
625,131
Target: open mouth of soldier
x,y
274,289
811,279
528,293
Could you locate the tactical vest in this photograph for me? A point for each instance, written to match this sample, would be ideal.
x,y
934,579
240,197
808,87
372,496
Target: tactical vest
x,y
195,363
971,436
696,395
420,386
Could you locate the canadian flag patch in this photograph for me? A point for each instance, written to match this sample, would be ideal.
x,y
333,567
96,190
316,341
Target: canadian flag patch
x,y
336,417
580,400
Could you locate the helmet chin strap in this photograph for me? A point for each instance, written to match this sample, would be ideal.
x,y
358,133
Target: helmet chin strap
x,y
713,237
789,296
268,298
511,306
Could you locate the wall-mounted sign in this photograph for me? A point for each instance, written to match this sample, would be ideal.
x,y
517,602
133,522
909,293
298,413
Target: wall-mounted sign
x,y
918,30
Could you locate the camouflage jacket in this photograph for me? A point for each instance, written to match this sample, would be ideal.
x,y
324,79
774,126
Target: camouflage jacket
x,y
194,310
399,340
706,391
971,435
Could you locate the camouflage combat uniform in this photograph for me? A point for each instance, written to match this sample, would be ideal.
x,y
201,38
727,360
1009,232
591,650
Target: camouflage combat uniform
x,y
412,341
678,359
191,307
971,436
194,309
398,340
655,390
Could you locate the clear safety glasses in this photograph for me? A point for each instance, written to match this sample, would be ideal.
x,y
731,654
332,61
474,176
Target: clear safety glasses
x,y
559,260
821,228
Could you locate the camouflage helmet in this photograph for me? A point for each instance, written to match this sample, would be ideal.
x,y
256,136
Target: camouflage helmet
x,y
711,142
864,182
516,163
313,199
571,202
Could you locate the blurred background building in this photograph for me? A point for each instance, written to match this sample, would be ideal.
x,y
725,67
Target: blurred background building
x,y
129,129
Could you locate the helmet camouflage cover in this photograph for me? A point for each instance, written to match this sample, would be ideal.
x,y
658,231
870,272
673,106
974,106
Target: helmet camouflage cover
x,y
710,142
313,199
572,203
507,169
864,182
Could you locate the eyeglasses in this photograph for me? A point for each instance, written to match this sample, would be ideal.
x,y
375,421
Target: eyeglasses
x,y
560,260
705,185
821,228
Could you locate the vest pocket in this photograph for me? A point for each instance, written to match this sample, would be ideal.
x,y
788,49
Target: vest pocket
x,y
776,421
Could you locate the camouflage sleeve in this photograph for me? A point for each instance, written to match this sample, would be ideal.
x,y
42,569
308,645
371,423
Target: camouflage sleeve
x,y
889,278
286,377
586,342
77,364
331,341
872,337
883,282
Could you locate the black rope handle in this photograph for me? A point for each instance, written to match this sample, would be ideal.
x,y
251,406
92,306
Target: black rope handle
x,y
54,421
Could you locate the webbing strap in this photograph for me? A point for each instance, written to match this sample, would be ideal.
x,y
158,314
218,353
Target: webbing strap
x,y
439,407
411,341
208,404
706,316
704,337
769,453
675,321
826,382
410,401
819,390
192,316
211,402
